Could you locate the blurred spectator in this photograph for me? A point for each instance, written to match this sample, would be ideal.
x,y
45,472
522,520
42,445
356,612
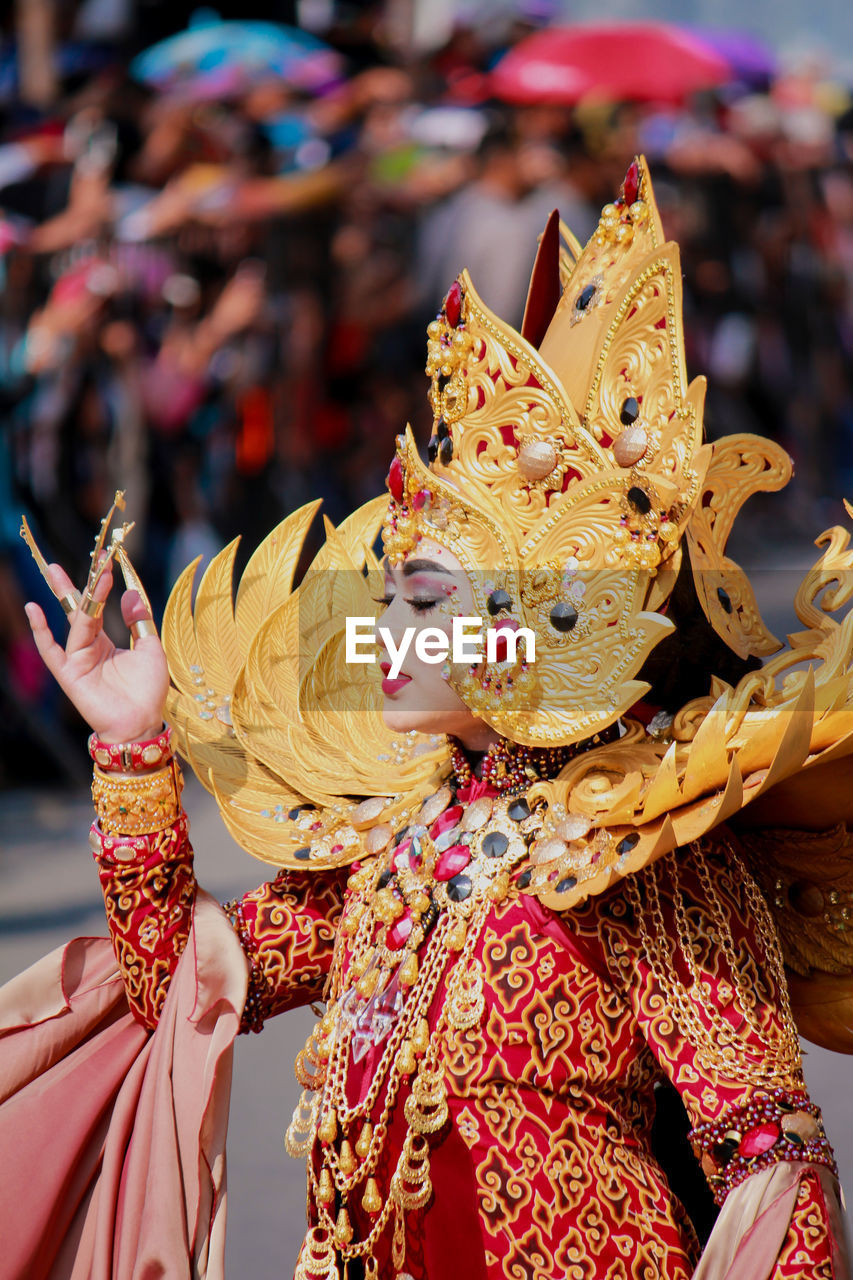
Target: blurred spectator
x,y
215,290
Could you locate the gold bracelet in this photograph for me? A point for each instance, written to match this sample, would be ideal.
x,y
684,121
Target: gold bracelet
x,y
140,805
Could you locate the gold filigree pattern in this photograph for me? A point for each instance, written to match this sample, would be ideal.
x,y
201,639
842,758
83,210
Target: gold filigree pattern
x,y
741,465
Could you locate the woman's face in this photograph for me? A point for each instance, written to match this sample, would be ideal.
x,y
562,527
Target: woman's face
x,y
427,590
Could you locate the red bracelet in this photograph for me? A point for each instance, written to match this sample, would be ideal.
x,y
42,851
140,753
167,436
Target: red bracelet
x,y
108,851
132,757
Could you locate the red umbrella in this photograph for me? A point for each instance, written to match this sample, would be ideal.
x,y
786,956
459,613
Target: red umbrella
x,y
631,61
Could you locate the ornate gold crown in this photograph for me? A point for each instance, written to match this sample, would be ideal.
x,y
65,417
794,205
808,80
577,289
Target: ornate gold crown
x,y
567,478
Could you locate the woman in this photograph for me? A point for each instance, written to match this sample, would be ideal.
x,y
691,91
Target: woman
x,y
520,890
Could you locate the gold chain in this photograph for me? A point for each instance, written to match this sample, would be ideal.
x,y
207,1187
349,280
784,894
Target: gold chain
x,y
718,1044
425,1109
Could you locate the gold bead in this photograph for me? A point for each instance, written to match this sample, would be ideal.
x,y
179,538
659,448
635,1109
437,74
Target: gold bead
x,y
409,970
366,984
420,1036
328,1128
406,1059
420,903
624,234
457,935
371,1201
346,1160
638,211
360,963
325,1188
499,888
343,1229
365,1138
328,1020
386,906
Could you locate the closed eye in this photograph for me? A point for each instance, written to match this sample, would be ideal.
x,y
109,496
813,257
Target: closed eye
x,y
420,604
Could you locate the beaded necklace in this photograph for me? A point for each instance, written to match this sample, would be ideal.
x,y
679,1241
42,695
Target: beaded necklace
x,y
413,915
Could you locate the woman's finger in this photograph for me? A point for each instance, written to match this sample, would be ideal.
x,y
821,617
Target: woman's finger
x,y
84,628
53,654
137,616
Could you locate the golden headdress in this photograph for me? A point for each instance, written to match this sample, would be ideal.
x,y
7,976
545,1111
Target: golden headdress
x,y
566,478
567,472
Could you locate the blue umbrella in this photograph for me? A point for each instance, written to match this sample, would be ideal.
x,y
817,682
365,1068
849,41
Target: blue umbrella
x,y
211,48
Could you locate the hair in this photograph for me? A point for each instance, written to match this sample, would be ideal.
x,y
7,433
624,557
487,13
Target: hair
x,y
681,666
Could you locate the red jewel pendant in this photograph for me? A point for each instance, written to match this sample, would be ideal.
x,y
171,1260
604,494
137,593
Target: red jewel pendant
x,y
631,185
453,304
395,479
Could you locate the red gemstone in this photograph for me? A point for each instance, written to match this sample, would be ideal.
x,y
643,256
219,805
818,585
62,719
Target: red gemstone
x,y
420,499
631,185
451,861
399,932
453,304
759,1139
446,820
395,478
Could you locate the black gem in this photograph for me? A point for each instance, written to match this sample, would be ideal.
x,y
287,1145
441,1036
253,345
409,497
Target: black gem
x,y
563,616
385,879
293,814
441,429
629,412
787,1107
724,599
432,448
519,809
401,835
459,888
498,600
626,845
565,885
302,854
446,450
585,297
494,844
793,1137
639,499
723,1151
524,879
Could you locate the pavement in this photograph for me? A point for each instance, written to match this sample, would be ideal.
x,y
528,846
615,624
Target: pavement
x,y
50,893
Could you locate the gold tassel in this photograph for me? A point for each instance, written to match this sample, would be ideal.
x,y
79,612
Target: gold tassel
x,y
347,1162
325,1188
371,1201
365,1138
343,1229
328,1129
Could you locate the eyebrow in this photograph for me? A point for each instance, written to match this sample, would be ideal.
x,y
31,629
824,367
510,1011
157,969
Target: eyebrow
x,y
424,566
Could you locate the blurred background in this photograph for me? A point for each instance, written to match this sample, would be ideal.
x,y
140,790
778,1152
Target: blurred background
x,y
222,234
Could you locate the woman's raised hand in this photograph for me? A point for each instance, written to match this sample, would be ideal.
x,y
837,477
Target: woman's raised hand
x,y
120,693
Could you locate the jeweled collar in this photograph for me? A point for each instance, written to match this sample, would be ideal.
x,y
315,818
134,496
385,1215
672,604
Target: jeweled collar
x,y
511,766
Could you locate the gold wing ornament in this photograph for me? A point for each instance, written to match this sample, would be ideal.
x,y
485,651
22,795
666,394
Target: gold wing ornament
x,y
286,735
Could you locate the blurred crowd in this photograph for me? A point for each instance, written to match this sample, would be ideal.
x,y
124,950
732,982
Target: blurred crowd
x,y
214,295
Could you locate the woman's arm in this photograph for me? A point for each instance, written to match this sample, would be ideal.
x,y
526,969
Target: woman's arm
x,y
286,926
692,945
